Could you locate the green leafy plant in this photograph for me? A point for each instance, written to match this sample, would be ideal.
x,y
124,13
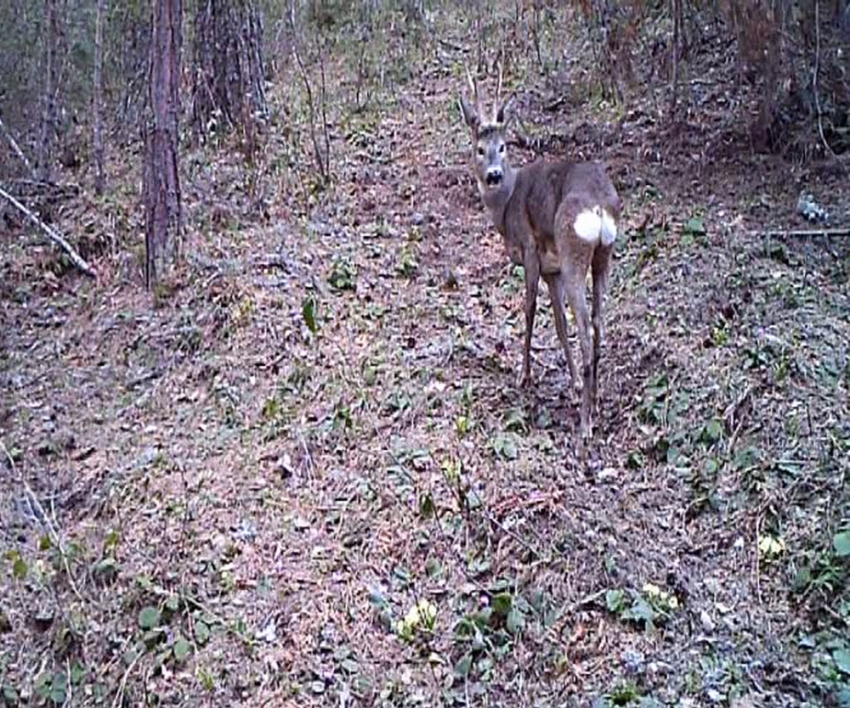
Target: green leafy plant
x,y
421,619
408,264
649,607
342,275
485,635
505,446
308,313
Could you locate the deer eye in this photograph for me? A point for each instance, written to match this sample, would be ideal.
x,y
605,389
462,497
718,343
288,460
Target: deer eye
x,y
501,148
481,152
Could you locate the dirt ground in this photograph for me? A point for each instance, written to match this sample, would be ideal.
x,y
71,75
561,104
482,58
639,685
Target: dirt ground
x,y
236,494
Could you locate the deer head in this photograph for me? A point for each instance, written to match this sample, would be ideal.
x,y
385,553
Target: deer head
x,y
488,136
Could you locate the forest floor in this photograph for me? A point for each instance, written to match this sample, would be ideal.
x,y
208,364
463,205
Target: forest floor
x,y
235,495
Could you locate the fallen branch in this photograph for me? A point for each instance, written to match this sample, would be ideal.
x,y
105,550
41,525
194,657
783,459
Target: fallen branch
x,y
802,232
16,148
54,235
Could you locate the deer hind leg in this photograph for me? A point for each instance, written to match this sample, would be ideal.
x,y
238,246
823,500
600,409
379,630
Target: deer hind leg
x,y
532,278
600,268
557,296
574,286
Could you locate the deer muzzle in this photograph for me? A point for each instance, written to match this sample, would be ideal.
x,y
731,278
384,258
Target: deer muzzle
x,y
494,177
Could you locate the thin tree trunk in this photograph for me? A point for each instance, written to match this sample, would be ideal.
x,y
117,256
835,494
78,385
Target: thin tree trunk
x,y
677,35
97,138
163,218
48,118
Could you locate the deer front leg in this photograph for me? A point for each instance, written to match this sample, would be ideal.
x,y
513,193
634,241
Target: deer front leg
x,y
532,277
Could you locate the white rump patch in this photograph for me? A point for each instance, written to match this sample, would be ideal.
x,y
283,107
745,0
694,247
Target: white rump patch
x,y
609,228
588,225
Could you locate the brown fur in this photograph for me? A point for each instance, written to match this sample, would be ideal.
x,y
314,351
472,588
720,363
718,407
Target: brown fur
x,y
535,209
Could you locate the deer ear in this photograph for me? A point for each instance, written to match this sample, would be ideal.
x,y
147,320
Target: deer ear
x,y
503,112
470,115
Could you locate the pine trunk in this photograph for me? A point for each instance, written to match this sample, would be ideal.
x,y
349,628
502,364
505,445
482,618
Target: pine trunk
x,y
97,137
228,83
162,184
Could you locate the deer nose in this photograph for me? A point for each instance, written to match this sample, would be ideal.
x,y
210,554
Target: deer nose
x,y
494,176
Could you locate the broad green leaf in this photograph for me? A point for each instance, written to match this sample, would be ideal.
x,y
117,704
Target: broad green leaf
x,y
842,660
377,598
59,689
182,649
614,601
502,603
695,225
308,312
515,622
78,673
19,568
640,611
129,656
10,695
713,431
202,632
105,570
426,506
463,666
841,542
149,617
111,540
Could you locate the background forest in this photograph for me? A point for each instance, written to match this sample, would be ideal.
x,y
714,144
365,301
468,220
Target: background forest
x,y
261,441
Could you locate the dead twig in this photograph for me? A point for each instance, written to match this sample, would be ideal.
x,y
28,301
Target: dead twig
x,y
54,235
41,515
800,232
515,536
119,695
17,149
322,159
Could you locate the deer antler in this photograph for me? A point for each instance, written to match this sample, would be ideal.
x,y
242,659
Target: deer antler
x,y
473,85
498,101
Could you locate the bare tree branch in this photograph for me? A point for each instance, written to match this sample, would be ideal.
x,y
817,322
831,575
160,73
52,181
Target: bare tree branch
x,y
17,149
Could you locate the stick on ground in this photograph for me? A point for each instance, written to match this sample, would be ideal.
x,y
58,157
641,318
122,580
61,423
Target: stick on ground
x,y
801,232
54,235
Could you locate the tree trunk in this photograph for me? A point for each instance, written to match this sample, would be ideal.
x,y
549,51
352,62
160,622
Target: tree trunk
x,y
162,184
97,137
228,75
48,117
677,40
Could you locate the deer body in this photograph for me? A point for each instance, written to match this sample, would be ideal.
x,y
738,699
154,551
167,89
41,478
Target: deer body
x,y
559,221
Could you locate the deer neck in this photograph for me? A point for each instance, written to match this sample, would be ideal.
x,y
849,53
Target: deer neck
x,y
497,199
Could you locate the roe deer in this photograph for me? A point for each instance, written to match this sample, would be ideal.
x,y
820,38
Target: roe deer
x,y
557,220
